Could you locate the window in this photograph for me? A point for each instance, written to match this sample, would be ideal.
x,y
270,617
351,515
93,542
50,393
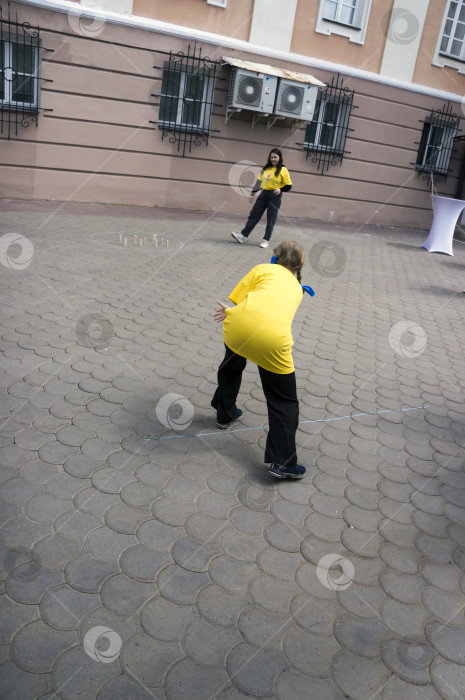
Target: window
x,y
327,131
185,100
18,70
20,52
453,38
342,11
325,135
347,18
437,142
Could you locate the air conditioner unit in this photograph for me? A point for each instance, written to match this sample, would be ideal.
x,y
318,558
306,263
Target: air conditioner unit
x,y
294,99
254,91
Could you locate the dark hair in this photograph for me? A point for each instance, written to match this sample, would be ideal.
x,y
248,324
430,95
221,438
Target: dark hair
x,y
290,255
270,165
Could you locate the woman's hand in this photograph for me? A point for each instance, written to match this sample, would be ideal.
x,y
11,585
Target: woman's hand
x,y
220,313
251,198
276,191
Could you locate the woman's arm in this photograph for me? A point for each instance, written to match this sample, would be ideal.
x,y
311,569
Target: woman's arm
x,y
220,313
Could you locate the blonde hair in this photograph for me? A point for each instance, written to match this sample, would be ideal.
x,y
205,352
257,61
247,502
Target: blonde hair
x,y
290,255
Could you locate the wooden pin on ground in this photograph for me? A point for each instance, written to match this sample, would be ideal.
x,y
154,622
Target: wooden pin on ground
x,y
167,243
141,242
162,241
125,241
135,238
154,238
120,237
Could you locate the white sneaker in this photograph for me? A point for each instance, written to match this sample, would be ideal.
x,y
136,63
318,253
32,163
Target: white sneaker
x,y
264,243
238,237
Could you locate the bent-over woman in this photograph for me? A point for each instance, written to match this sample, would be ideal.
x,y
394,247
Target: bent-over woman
x,y
258,328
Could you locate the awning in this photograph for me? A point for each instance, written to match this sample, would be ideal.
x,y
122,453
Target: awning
x,y
272,70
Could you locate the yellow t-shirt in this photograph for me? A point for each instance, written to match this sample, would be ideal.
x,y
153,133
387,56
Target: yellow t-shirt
x,y
272,182
259,327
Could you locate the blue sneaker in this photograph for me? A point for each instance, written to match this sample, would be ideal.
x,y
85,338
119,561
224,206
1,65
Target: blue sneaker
x,y
295,472
225,426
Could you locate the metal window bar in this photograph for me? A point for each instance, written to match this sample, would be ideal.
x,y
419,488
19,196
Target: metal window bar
x,y
186,98
325,136
20,58
437,143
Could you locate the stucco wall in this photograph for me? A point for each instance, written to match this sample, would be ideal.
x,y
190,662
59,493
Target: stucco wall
x,y
98,144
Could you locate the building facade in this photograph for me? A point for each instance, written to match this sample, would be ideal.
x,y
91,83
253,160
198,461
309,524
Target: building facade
x,y
176,104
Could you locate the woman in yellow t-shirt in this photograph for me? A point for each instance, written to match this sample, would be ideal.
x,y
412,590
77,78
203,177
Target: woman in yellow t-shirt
x,y
258,328
274,179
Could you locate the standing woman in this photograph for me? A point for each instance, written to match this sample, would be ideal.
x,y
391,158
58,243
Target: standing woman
x,y
258,328
273,180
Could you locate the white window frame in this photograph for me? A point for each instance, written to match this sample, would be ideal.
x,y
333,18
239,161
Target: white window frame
x,y
218,3
207,98
442,59
355,31
8,102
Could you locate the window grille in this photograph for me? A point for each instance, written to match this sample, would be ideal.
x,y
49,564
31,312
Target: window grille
x,y
437,142
453,38
20,54
325,135
186,99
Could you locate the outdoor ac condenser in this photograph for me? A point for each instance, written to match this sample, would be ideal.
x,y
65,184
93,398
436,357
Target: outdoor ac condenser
x,y
294,99
254,91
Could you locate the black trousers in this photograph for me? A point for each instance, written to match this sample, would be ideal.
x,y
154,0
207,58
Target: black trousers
x,y
266,201
281,399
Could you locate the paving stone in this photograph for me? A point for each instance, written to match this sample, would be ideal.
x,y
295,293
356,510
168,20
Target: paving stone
x,y
124,596
106,545
75,526
448,678
396,688
18,683
17,491
402,587
94,502
63,607
246,520
273,594
53,553
328,506
255,672
21,533
44,508
310,653
315,615
436,549
404,560
401,513
54,452
76,673
446,640
122,688
407,658
14,456
166,621
402,535
179,585
125,519
364,544
362,498
208,645
282,565
193,556
291,684
186,679
440,575
445,605
36,646
361,637
405,620
87,574
362,601
158,536
359,678
232,575
455,514
284,537
14,617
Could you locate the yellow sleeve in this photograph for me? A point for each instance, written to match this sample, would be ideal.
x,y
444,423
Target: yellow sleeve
x,y
241,290
286,178
260,175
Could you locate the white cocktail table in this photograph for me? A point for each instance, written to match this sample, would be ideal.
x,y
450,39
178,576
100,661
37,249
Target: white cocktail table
x,y
446,212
